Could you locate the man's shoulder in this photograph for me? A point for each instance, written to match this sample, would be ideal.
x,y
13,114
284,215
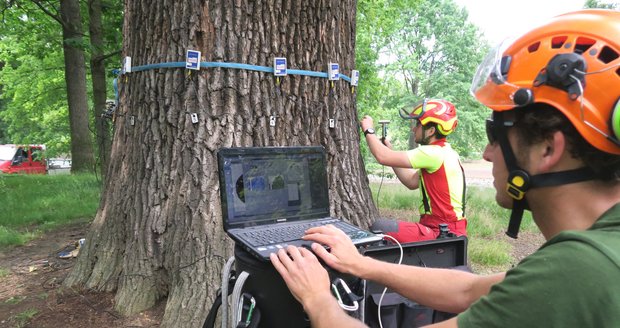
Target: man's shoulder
x,y
545,275
577,251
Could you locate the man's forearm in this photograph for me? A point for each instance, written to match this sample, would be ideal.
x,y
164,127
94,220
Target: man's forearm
x,y
408,177
441,289
375,146
327,313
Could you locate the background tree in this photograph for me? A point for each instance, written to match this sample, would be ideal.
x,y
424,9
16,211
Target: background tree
x,y
32,79
602,4
375,23
419,49
97,28
69,17
3,127
158,231
35,97
427,49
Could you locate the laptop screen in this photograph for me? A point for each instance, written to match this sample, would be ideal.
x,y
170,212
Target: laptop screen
x,y
262,185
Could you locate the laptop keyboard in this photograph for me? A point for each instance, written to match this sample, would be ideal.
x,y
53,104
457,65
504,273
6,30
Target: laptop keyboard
x,y
286,233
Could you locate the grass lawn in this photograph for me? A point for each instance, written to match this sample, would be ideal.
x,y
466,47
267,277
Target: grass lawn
x,y
31,204
486,221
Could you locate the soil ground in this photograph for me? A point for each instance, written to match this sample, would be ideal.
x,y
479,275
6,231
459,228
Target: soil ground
x,y
31,294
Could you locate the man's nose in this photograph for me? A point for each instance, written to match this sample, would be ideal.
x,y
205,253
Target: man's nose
x,y
486,154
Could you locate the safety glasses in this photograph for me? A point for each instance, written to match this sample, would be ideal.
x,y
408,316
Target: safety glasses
x,y
491,136
492,129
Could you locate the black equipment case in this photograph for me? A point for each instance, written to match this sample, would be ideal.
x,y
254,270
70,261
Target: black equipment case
x,y
397,311
281,310
276,303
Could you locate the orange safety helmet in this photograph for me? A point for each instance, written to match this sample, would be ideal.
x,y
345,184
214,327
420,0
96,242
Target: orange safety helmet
x,y
571,63
441,112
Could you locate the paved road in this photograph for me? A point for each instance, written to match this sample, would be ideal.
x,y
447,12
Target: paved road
x,y
478,173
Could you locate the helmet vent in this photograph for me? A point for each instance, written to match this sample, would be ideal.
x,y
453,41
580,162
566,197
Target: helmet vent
x,y
558,41
618,72
607,55
583,44
533,47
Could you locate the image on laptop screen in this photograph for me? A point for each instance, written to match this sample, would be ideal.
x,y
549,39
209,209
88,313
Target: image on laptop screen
x,y
271,184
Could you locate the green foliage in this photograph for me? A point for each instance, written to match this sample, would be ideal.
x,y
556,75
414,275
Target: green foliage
x,y
601,4
420,49
45,202
33,97
32,80
4,273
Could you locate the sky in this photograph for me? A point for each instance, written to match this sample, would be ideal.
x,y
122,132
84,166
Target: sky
x,y
499,19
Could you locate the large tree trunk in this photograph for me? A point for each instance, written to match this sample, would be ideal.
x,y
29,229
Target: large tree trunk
x,y
158,231
75,76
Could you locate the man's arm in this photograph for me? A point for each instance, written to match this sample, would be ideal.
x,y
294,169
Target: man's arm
x,y
327,314
383,154
309,283
408,177
442,289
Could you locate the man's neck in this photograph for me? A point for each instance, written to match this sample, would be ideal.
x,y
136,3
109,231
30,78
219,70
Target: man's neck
x,y
573,206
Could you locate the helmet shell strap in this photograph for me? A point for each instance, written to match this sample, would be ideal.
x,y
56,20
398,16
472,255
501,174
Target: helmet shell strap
x,y
518,179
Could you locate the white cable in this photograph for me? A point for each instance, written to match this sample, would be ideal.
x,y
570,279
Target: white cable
x,y
236,296
400,260
224,290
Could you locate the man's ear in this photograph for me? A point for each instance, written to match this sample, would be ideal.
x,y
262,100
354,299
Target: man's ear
x,y
551,151
432,130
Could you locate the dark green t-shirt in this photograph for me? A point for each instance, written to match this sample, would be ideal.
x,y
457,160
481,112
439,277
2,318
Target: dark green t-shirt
x,y
573,280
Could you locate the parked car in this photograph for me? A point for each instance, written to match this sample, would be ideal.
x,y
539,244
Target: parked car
x,y
23,159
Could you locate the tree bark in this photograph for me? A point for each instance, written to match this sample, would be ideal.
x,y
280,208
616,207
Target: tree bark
x,y
158,232
75,77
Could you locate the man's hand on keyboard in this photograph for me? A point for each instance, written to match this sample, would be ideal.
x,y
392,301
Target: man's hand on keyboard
x,y
306,278
342,254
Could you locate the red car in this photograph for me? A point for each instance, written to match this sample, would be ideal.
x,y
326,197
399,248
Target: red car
x,y
23,159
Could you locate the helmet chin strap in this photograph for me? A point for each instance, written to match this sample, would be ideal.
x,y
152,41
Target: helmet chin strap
x,y
520,181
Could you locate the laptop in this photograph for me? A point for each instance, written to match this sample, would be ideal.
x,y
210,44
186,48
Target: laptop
x,y
271,195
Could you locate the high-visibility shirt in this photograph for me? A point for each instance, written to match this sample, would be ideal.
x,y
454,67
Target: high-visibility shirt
x,y
442,182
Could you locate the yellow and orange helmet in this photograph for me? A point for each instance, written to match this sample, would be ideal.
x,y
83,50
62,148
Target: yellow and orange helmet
x,y
571,63
439,111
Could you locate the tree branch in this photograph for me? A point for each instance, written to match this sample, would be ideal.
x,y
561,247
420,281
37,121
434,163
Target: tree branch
x,y
56,16
106,56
